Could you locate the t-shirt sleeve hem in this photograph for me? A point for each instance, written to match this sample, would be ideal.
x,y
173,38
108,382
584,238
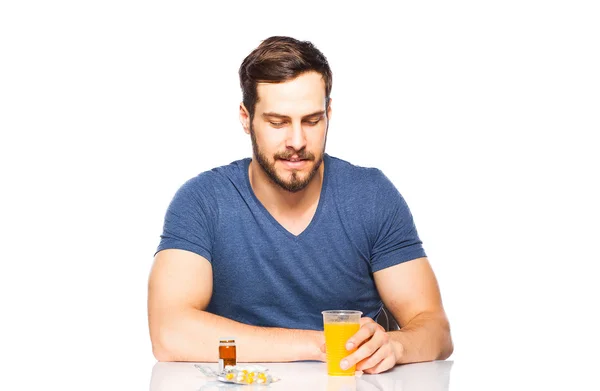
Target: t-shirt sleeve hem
x,y
167,245
396,259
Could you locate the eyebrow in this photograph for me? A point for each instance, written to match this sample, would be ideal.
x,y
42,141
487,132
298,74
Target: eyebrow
x,y
281,116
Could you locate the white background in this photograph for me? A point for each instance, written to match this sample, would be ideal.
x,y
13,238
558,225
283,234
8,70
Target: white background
x,y
483,114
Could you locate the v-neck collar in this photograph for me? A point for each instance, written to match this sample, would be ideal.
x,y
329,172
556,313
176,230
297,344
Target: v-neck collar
x,y
277,224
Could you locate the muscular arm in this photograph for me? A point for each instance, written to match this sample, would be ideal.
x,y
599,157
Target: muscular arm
x,y
410,291
179,290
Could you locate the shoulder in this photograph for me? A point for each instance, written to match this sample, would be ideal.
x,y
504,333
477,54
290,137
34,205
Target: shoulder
x,y
364,193
219,177
215,184
348,177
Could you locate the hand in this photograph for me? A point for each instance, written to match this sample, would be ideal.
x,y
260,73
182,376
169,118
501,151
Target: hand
x,y
375,352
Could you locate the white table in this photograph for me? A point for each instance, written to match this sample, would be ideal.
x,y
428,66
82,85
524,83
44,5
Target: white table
x,y
307,376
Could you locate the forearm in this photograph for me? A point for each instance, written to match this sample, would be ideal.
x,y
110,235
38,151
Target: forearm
x,y
425,338
193,335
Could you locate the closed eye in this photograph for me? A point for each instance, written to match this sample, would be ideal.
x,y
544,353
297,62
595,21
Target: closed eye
x,y
276,124
314,122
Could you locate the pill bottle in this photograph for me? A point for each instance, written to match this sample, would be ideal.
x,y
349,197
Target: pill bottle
x,y
227,353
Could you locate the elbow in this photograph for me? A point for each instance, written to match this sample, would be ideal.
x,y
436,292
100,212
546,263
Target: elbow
x,y
162,354
161,348
447,346
446,350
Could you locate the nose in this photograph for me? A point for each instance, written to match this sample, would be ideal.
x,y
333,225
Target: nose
x,y
296,137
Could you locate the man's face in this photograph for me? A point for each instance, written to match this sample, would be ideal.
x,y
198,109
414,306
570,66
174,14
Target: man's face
x,y
289,130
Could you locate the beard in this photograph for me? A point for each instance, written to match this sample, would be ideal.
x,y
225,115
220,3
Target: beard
x,y
296,182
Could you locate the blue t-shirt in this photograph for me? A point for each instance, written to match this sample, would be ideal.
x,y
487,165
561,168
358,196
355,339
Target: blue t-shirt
x,y
264,275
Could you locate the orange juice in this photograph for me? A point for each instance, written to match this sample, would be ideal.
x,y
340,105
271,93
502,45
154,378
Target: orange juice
x,y
336,336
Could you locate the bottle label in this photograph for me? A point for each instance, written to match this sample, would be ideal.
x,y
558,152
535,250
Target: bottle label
x,y
221,365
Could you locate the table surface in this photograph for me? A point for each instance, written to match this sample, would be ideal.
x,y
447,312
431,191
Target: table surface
x,y
430,376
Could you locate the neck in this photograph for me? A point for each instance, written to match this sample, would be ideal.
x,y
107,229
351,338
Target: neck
x,y
274,198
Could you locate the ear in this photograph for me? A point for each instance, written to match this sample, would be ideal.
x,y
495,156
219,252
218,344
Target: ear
x,y
329,110
245,118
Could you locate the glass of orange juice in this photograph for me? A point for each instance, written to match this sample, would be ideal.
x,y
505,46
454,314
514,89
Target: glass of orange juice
x,y
339,326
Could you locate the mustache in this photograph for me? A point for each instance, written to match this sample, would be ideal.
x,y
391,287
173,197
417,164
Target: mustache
x,y
301,154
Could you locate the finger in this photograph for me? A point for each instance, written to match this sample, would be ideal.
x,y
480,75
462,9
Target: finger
x,y
374,359
365,350
363,334
323,357
385,364
365,319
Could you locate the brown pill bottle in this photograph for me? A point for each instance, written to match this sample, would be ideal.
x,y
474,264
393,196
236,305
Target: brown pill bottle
x,y
227,353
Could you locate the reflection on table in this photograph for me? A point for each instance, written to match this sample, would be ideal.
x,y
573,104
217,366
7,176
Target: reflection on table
x,y
429,376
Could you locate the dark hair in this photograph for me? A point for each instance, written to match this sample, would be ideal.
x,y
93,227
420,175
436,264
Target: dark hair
x,y
279,59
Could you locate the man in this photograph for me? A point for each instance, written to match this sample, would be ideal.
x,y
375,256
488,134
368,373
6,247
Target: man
x,y
258,248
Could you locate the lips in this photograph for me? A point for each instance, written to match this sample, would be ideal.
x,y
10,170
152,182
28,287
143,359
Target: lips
x,y
294,163
294,158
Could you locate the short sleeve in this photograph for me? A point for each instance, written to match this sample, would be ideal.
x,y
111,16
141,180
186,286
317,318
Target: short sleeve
x,y
396,240
190,219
